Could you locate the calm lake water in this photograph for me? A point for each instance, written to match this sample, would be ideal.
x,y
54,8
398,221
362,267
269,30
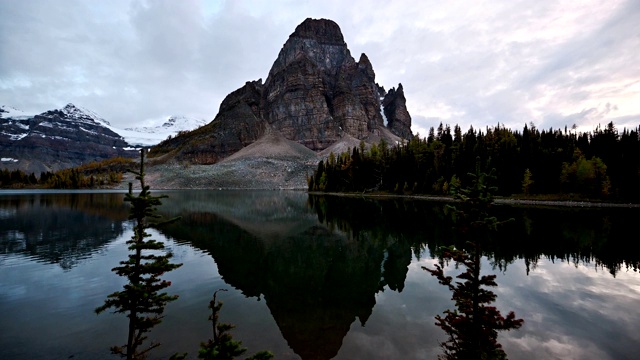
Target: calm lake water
x,y
313,277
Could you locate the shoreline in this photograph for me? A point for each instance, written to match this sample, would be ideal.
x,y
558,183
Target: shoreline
x,y
497,200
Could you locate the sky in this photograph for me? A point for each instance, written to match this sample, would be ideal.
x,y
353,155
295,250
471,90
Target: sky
x,y
470,63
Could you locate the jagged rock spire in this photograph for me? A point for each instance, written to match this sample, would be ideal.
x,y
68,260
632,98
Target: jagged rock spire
x,y
395,110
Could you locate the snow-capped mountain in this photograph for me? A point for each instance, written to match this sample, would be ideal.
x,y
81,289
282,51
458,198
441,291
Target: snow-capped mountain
x,y
83,115
151,134
73,135
172,124
57,139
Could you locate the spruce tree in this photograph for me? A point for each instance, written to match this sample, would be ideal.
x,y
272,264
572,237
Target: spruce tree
x,y
474,324
142,298
222,346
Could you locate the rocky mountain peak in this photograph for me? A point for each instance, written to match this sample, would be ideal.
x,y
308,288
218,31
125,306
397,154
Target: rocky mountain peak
x,y
395,110
364,66
70,109
324,31
75,113
315,94
314,44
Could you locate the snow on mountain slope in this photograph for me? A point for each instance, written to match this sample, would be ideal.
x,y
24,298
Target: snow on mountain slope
x,y
173,123
152,134
148,134
11,112
80,114
57,139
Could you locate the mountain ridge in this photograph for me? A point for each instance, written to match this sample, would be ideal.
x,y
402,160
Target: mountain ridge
x,y
72,135
58,139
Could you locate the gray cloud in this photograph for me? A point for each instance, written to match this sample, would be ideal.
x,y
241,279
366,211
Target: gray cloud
x,y
512,62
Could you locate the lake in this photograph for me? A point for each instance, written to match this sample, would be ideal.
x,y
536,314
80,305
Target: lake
x,y
313,277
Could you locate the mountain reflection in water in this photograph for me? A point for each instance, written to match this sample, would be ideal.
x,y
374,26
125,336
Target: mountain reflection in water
x,y
60,228
340,276
315,279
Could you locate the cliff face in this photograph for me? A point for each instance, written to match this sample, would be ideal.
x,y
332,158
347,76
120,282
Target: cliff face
x,y
315,94
316,90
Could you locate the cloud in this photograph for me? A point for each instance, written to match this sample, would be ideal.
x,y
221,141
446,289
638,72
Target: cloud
x,y
585,120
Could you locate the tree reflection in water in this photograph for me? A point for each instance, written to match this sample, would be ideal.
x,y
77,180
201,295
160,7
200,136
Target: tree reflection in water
x,y
473,326
222,346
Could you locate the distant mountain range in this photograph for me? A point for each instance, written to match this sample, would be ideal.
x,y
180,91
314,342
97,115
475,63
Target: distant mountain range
x,y
72,135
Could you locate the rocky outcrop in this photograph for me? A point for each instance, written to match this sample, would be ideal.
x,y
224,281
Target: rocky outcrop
x,y
316,90
315,94
366,89
58,139
395,110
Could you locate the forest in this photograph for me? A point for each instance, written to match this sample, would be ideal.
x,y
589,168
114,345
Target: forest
x,y
600,165
88,176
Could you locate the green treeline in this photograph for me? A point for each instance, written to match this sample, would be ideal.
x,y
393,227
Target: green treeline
x,y
92,175
603,164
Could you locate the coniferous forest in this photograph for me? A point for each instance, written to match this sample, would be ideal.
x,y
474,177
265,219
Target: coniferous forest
x,y
93,175
599,165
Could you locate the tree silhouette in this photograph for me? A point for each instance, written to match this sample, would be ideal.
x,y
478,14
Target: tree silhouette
x,y
141,299
473,326
222,346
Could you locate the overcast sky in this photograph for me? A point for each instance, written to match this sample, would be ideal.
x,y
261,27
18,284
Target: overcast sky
x,y
480,63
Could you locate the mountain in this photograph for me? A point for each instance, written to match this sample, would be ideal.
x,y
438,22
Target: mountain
x,y
316,94
57,139
174,124
153,134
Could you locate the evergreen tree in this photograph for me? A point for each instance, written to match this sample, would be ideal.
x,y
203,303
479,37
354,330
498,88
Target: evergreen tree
x,y
223,346
141,299
473,326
